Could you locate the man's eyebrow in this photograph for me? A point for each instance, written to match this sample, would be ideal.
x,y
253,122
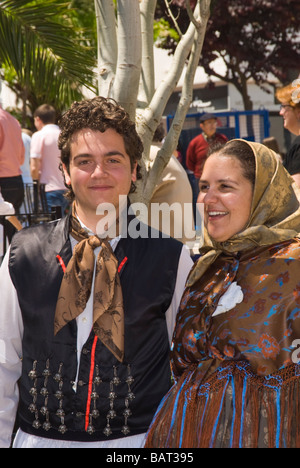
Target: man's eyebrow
x,y
108,154
114,153
82,155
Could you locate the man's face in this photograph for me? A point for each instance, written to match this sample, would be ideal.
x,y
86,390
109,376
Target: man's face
x,y
100,171
209,127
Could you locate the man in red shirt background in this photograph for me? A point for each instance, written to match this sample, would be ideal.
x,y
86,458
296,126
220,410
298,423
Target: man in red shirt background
x,y
197,150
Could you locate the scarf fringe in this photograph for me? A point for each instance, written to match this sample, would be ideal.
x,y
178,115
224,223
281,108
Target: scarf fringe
x,y
233,408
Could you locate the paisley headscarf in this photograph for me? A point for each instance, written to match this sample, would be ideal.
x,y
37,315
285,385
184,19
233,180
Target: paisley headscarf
x,y
274,216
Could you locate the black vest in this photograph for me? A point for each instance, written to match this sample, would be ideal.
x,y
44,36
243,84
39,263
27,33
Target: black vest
x,y
112,400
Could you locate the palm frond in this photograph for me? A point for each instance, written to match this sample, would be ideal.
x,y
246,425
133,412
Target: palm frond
x,y
38,41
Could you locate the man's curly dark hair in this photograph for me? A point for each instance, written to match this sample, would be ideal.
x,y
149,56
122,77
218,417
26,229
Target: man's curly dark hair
x,y
99,114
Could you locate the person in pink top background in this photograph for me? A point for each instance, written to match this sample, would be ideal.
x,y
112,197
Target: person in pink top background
x,y
12,154
45,157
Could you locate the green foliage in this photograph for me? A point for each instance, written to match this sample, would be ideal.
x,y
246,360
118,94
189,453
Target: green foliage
x,y
253,38
163,31
43,52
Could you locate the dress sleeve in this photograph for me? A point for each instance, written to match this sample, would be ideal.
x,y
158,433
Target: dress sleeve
x,y
11,332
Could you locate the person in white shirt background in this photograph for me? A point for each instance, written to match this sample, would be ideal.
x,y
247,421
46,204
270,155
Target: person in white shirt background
x,y
45,157
86,324
25,168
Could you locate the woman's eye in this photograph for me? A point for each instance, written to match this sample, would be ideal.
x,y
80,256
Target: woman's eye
x,y
225,187
203,187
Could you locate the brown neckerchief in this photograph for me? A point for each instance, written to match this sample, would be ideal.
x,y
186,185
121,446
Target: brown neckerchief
x,y
76,286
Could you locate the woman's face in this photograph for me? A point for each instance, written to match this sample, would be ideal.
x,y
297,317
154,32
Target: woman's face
x,y
227,197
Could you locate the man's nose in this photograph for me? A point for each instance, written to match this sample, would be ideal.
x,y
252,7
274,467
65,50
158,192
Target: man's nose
x,y
99,168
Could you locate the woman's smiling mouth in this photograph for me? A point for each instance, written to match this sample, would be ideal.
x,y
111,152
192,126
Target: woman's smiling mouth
x,y
217,214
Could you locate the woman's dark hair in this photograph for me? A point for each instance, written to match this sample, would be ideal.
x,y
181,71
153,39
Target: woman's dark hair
x,y
99,114
241,151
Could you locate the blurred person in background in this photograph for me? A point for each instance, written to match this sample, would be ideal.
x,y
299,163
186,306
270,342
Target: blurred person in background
x,y
12,155
290,111
25,168
173,187
45,157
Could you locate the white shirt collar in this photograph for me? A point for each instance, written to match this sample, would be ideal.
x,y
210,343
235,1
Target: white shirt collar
x,y
113,242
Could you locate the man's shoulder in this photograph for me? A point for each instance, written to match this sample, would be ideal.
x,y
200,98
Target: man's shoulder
x,y
197,139
37,229
221,137
37,245
49,128
38,235
8,118
295,145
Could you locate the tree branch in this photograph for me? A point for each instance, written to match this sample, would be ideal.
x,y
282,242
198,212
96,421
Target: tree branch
x,y
189,10
146,89
171,140
173,18
128,71
151,116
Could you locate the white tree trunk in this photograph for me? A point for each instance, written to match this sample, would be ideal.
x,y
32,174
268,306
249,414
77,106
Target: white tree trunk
x,y
147,79
191,43
129,78
128,72
107,45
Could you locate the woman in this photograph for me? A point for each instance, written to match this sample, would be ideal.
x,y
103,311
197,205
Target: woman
x,y
233,357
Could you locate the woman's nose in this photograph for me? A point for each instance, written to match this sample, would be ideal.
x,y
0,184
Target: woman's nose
x,y
207,197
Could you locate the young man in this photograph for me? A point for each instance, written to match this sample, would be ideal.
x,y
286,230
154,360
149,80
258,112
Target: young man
x,y
45,156
85,321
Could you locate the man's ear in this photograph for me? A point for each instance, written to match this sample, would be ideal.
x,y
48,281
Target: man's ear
x,y
133,172
66,175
